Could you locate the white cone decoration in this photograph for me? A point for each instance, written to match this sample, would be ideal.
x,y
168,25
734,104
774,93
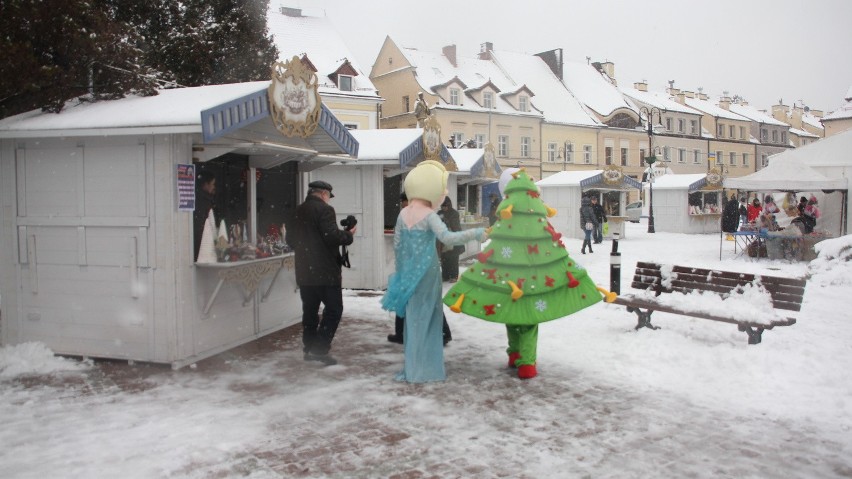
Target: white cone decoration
x,y
223,231
207,251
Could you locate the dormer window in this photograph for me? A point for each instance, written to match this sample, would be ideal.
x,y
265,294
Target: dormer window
x,y
454,96
344,82
488,100
523,103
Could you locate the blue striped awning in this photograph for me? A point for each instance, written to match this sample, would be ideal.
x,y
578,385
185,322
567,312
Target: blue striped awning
x,y
413,153
698,185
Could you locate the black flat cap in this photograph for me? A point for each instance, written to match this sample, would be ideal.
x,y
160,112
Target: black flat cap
x,y
321,185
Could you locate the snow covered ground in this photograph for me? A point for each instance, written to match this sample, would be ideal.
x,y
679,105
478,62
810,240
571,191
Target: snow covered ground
x,y
689,400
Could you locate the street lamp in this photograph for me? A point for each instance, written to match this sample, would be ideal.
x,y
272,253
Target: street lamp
x,y
651,159
564,152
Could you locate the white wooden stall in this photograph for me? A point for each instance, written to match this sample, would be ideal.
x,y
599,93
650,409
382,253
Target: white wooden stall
x,y
687,203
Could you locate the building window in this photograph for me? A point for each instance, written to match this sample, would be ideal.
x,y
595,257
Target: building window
x,y
764,135
681,125
667,154
480,140
681,155
454,96
693,127
488,100
733,159
719,158
764,160
720,131
731,131
696,157
344,82
503,145
523,103
525,147
569,153
551,152
587,154
608,155
784,137
745,159
668,124
458,139
642,156
350,126
406,104
774,136
742,133
623,156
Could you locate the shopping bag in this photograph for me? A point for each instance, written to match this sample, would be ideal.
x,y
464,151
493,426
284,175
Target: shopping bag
x,y
606,228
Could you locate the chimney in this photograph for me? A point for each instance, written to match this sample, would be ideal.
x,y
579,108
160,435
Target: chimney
x,y
291,12
609,69
725,101
449,51
702,96
485,51
681,97
689,94
641,85
817,113
553,59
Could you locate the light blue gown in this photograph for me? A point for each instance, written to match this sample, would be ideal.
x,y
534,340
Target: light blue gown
x,y
414,292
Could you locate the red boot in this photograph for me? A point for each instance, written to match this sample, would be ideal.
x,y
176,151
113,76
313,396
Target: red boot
x,y
513,357
527,371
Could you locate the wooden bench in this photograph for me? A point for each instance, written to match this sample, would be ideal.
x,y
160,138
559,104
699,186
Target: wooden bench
x,y
786,294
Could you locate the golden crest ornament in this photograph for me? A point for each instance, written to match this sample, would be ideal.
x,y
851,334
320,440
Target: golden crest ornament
x,y
294,99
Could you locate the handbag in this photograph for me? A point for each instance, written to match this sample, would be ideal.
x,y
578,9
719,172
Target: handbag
x,y
589,226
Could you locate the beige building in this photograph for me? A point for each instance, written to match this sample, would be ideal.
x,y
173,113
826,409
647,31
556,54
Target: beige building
x,y
805,124
841,118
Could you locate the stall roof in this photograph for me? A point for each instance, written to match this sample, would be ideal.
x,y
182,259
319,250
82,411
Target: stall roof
x,y
785,174
830,151
691,182
472,167
402,147
466,158
587,179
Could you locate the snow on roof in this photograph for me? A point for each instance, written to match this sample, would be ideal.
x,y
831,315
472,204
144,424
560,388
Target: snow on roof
x,y
592,89
830,151
657,99
752,113
179,108
675,181
812,121
564,178
713,109
384,144
434,69
465,158
798,132
844,112
317,38
552,98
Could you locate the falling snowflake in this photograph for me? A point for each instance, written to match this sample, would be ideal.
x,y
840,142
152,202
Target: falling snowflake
x,y
541,305
506,252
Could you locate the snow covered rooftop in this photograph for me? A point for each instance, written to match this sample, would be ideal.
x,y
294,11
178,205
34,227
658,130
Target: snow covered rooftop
x,y
384,144
592,89
752,113
713,109
317,38
564,178
845,111
177,110
465,158
802,133
674,181
657,99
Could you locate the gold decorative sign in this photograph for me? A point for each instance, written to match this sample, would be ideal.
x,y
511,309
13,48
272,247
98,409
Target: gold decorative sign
x,y
490,161
294,98
613,175
432,139
714,179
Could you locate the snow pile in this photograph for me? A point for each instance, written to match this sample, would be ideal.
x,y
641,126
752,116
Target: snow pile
x,y
33,358
833,265
751,301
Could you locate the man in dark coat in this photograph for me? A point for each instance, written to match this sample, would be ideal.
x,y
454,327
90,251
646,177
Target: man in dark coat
x,y
731,215
313,234
600,215
205,200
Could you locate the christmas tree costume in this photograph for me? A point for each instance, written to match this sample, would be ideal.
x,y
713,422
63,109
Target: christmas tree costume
x,y
414,290
524,276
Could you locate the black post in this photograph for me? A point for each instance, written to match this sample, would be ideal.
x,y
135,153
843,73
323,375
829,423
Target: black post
x,y
650,161
615,266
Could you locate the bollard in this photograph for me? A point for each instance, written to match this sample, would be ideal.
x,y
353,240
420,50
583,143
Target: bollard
x,y
615,266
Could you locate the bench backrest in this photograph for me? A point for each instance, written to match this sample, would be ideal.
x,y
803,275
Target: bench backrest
x,y
786,293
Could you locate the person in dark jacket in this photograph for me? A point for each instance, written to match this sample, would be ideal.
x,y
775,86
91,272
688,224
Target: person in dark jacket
x,y
205,200
743,212
600,215
588,222
731,215
450,256
313,234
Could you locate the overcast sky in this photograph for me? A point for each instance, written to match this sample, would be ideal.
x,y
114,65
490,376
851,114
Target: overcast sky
x,y
763,50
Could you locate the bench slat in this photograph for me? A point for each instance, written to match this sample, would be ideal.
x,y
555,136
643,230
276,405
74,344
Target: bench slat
x,y
634,302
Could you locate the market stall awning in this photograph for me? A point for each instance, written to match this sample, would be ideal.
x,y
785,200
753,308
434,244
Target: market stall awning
x,y
786,174
608,179
690,182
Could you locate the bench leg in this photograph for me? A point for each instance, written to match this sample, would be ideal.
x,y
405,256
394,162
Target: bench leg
x,y
754,334
644,318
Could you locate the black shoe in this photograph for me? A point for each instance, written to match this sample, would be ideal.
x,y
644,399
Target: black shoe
x,y
394,338
447,339
326,359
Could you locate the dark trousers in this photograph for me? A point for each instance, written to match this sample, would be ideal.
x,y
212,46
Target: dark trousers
x,y
316,334
449,265
399,328
598,233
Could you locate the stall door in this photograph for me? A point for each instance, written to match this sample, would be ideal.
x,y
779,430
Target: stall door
x,y
82,249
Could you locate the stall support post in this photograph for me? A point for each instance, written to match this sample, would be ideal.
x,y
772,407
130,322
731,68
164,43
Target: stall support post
x,y
615,266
